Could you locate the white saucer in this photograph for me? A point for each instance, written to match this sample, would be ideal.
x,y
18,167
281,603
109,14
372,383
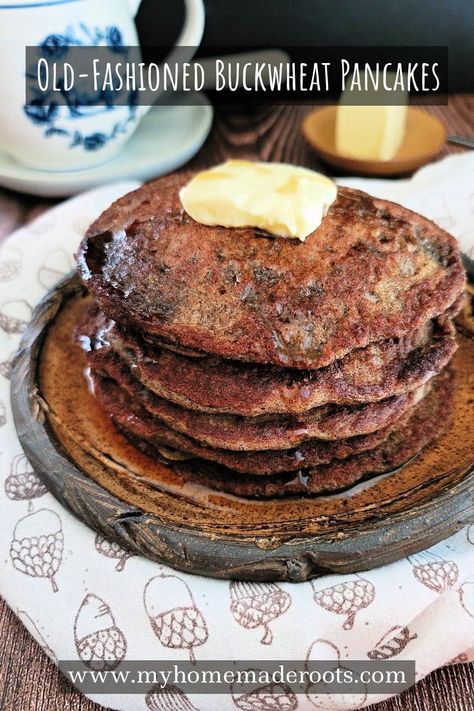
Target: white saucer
x,y
167,137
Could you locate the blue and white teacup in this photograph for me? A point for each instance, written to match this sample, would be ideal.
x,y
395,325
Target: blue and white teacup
x,y
53,137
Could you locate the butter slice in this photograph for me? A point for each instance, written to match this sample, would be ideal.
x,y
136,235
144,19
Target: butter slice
x,y
284,200
370,132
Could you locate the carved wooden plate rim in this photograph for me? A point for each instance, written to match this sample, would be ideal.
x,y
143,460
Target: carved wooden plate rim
x,y
366,545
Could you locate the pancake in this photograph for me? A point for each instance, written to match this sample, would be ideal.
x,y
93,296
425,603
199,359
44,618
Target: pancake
x,y
427,422
373,270
128,415
257,433
210,384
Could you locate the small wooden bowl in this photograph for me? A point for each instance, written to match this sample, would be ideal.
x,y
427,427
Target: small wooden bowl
x,y
425,136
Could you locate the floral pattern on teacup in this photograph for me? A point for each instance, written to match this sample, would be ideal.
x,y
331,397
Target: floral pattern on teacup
x,y
66,117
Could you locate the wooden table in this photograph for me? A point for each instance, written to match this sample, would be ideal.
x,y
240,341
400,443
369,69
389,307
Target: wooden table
x,y
28,680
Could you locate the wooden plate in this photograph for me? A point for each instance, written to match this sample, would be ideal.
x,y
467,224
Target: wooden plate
x,y
143,505
425,136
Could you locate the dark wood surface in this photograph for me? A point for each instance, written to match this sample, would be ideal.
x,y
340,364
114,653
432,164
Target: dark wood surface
x,y
28,680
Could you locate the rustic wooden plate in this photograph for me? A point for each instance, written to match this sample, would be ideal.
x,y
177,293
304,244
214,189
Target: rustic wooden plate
x,y
424,138
142,504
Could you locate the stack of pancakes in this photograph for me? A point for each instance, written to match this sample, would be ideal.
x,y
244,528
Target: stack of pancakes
x,y
264,366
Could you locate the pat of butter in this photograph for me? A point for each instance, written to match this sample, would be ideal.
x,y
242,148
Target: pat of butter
x,y
370,132
284,200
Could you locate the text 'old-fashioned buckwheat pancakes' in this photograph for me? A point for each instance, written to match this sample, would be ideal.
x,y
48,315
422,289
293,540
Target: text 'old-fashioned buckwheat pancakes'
x,y
264,366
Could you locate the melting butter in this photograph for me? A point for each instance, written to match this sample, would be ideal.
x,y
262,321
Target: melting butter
x,y
284,200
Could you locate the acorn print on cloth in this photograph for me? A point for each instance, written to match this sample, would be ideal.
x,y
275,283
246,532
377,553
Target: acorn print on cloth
x,y
56,265
178,627
434,572
470,534
458,659
392,643
355,694
169,698
15,316
32,627
100,644
257,604
466,597
3,414
111,549
346,598
37,545
268,697
23,484
6,367
10,264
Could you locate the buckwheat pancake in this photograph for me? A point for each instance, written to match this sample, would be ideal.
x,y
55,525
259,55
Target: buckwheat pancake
x,y
373,270
257,433
211,384
427,422
129,415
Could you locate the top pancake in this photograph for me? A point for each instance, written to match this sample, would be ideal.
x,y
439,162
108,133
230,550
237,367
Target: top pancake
x,y
373,270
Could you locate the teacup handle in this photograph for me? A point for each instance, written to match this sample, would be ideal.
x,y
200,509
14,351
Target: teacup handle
x,y
193,27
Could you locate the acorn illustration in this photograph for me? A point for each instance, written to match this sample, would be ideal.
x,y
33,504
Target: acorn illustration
x,y
173,614
32,627
466,597
10,265
100,644
268,697
355,692
37,545
169,698
434,572
3,414
392,643
6,367
470,534
14,316
458,659
346,598
111,549
55,266
257,604
23,484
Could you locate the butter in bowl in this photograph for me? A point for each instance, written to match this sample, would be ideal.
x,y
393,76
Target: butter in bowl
x,y
385,137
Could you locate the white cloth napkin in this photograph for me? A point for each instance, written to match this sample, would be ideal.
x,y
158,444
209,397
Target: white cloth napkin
x,y
425,604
